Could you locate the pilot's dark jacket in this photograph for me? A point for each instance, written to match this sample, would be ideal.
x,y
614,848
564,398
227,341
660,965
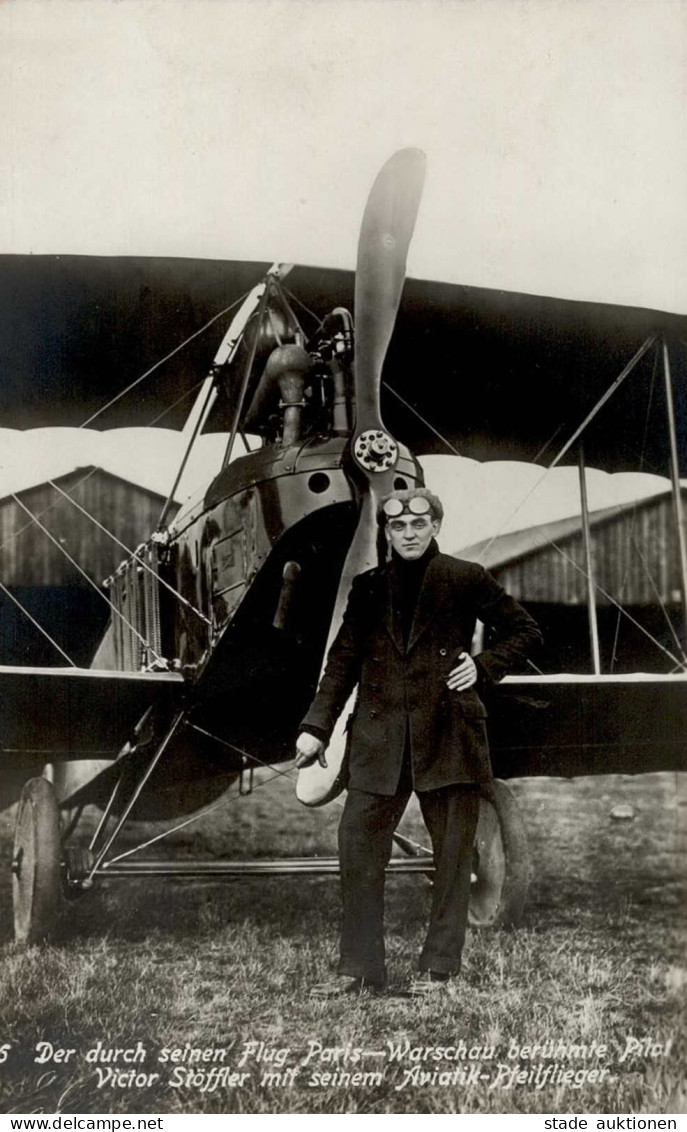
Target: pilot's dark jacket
x,y
403,690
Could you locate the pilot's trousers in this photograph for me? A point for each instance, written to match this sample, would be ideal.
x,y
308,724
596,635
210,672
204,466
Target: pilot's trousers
x,y
365,843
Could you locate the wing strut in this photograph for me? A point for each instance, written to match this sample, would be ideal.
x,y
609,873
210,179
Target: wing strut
x,y
589,564
675,481
208,392
262,293
178,719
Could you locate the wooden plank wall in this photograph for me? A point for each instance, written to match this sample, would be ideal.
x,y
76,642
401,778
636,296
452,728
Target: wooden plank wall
x,y
635,561
29,558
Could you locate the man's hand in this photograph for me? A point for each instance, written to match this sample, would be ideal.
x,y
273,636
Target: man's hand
x,y
464,675
308,748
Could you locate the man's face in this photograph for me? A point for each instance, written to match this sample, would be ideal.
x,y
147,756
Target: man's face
x,y
410,535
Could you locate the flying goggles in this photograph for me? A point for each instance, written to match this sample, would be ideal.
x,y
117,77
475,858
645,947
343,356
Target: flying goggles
x,y
418,505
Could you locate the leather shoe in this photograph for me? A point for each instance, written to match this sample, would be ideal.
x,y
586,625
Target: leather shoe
x,y
344,986
429,984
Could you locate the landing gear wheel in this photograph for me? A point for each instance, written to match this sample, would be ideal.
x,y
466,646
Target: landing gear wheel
x,y
36,862
501,870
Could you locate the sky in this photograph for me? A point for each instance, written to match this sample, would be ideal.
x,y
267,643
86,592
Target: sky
x,y
554,133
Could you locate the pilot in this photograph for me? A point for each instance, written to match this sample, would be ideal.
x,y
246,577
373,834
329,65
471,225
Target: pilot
x,y
418,725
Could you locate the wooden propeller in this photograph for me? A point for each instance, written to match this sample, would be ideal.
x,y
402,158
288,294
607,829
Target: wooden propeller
x,y
385,235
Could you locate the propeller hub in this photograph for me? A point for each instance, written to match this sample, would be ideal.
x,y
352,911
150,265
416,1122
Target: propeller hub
x,y
375,450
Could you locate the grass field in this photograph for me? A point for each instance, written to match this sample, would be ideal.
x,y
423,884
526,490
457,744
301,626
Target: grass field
x,y
601,958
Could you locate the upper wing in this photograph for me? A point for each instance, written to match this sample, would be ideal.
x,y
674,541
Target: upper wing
x,y
500,375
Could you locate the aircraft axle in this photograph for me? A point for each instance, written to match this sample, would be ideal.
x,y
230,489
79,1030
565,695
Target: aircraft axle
x,y
286,866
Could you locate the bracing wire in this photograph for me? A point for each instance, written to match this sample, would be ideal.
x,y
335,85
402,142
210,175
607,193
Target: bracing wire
x,y
646,345
288,774
682,664
659,599
51,506
207,809
82,480
93,471
575,436
548,541
547,444
35,623
171,354
178,401
650,398
421,418
623,583
316,318
90,581
132,553
22,608
34,519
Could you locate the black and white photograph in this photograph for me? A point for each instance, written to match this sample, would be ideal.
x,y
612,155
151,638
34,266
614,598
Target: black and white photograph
x,y
343,559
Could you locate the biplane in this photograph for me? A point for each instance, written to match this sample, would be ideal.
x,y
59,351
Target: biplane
x,y
220,621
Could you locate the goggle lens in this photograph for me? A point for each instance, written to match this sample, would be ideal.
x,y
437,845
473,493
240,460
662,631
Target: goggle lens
x,y
418,505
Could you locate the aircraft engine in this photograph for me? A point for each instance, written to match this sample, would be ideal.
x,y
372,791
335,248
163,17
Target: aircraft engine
x,y
282,387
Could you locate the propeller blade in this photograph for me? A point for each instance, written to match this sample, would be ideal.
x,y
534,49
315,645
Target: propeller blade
x,y
385,235
318,785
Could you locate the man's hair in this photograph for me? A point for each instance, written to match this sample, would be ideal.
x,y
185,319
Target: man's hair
x,y
437,510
